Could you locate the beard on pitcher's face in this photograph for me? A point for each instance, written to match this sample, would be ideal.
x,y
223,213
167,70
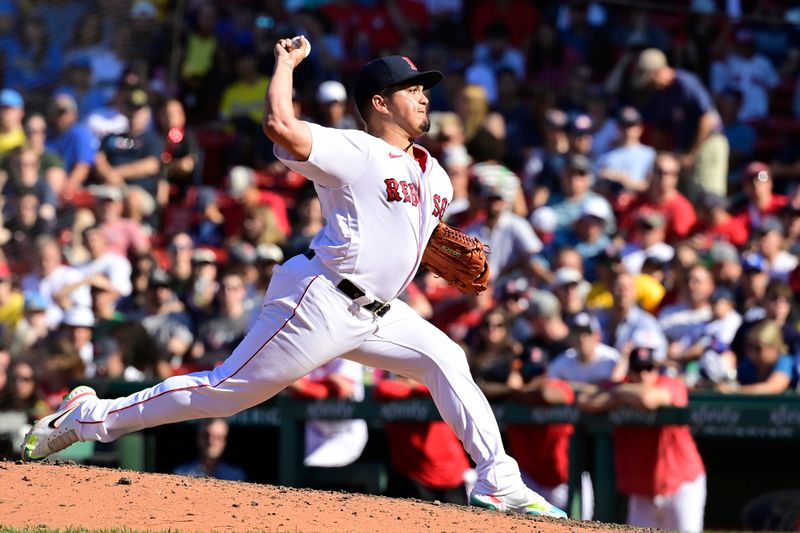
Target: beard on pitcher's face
x,y
425,125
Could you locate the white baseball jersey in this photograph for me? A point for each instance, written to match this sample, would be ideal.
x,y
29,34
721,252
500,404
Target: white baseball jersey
x,y
381,206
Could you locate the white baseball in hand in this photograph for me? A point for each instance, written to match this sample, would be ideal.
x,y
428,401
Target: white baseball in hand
x,y
297,42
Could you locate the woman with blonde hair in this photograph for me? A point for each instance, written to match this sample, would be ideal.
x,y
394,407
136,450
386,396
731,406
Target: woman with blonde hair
x,y
473,108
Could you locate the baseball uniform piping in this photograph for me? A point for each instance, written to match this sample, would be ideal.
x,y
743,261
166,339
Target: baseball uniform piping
x,y
294,311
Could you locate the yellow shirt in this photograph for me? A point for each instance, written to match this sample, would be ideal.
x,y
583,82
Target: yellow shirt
x,y
11,140
649,293
11,312
199,56
244,99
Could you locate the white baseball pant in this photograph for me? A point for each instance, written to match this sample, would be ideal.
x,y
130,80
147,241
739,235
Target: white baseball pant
x,y
304,323
680,511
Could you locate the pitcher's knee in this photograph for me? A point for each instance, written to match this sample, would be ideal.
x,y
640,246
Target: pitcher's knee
x,y
449,359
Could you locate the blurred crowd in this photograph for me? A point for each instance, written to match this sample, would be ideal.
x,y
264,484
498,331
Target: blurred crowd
x,y
633,169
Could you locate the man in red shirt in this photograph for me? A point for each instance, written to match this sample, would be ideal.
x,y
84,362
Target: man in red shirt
x,y
428,459
757,183
663,196
657,467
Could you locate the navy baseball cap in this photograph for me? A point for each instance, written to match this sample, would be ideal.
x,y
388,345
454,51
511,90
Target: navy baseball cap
x,y
386,71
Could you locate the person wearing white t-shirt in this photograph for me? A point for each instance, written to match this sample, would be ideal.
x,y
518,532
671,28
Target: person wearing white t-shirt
x,y
52,280
693,309
770,239
333,443
382,196
589,361
110,265
748,72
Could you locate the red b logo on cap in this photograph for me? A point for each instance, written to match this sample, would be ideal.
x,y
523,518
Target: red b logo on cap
x,y
410,63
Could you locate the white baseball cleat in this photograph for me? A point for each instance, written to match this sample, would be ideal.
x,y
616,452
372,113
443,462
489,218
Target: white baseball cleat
x,y
524,501
53,433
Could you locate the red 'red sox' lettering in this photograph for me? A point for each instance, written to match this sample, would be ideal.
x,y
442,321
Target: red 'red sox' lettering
x,y
439,206
409,191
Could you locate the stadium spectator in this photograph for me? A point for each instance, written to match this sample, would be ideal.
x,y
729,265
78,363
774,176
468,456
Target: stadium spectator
x,y
588,360
331,443
106,268
748,72
201,60
658,468
456,161
124,236
761,200
77,328
692,309
132,158
25,224
649,291
544,166
26,175
428,460
50,165
650,242
726,266
11,300
680,104
165,319
242,107
212,439
778,305
200,299
32,327
50,277
180,250
576,179
627,166
33,58
764,367
715,222
769,235
753,287
332,103
710,343
181,153
580,134
217,336
12,110
76,81
625,322
20,392
510,236
309,222
663,196
493,351
70,140
570,288
58,365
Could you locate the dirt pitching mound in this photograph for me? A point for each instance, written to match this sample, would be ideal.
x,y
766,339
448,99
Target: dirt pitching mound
x,y
70,496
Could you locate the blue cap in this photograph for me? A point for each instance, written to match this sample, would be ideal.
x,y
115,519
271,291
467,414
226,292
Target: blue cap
x,y
11,98
386,71
754,263
34,301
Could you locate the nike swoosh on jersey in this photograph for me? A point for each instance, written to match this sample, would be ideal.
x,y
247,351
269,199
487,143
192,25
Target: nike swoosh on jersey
x,y
395,156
